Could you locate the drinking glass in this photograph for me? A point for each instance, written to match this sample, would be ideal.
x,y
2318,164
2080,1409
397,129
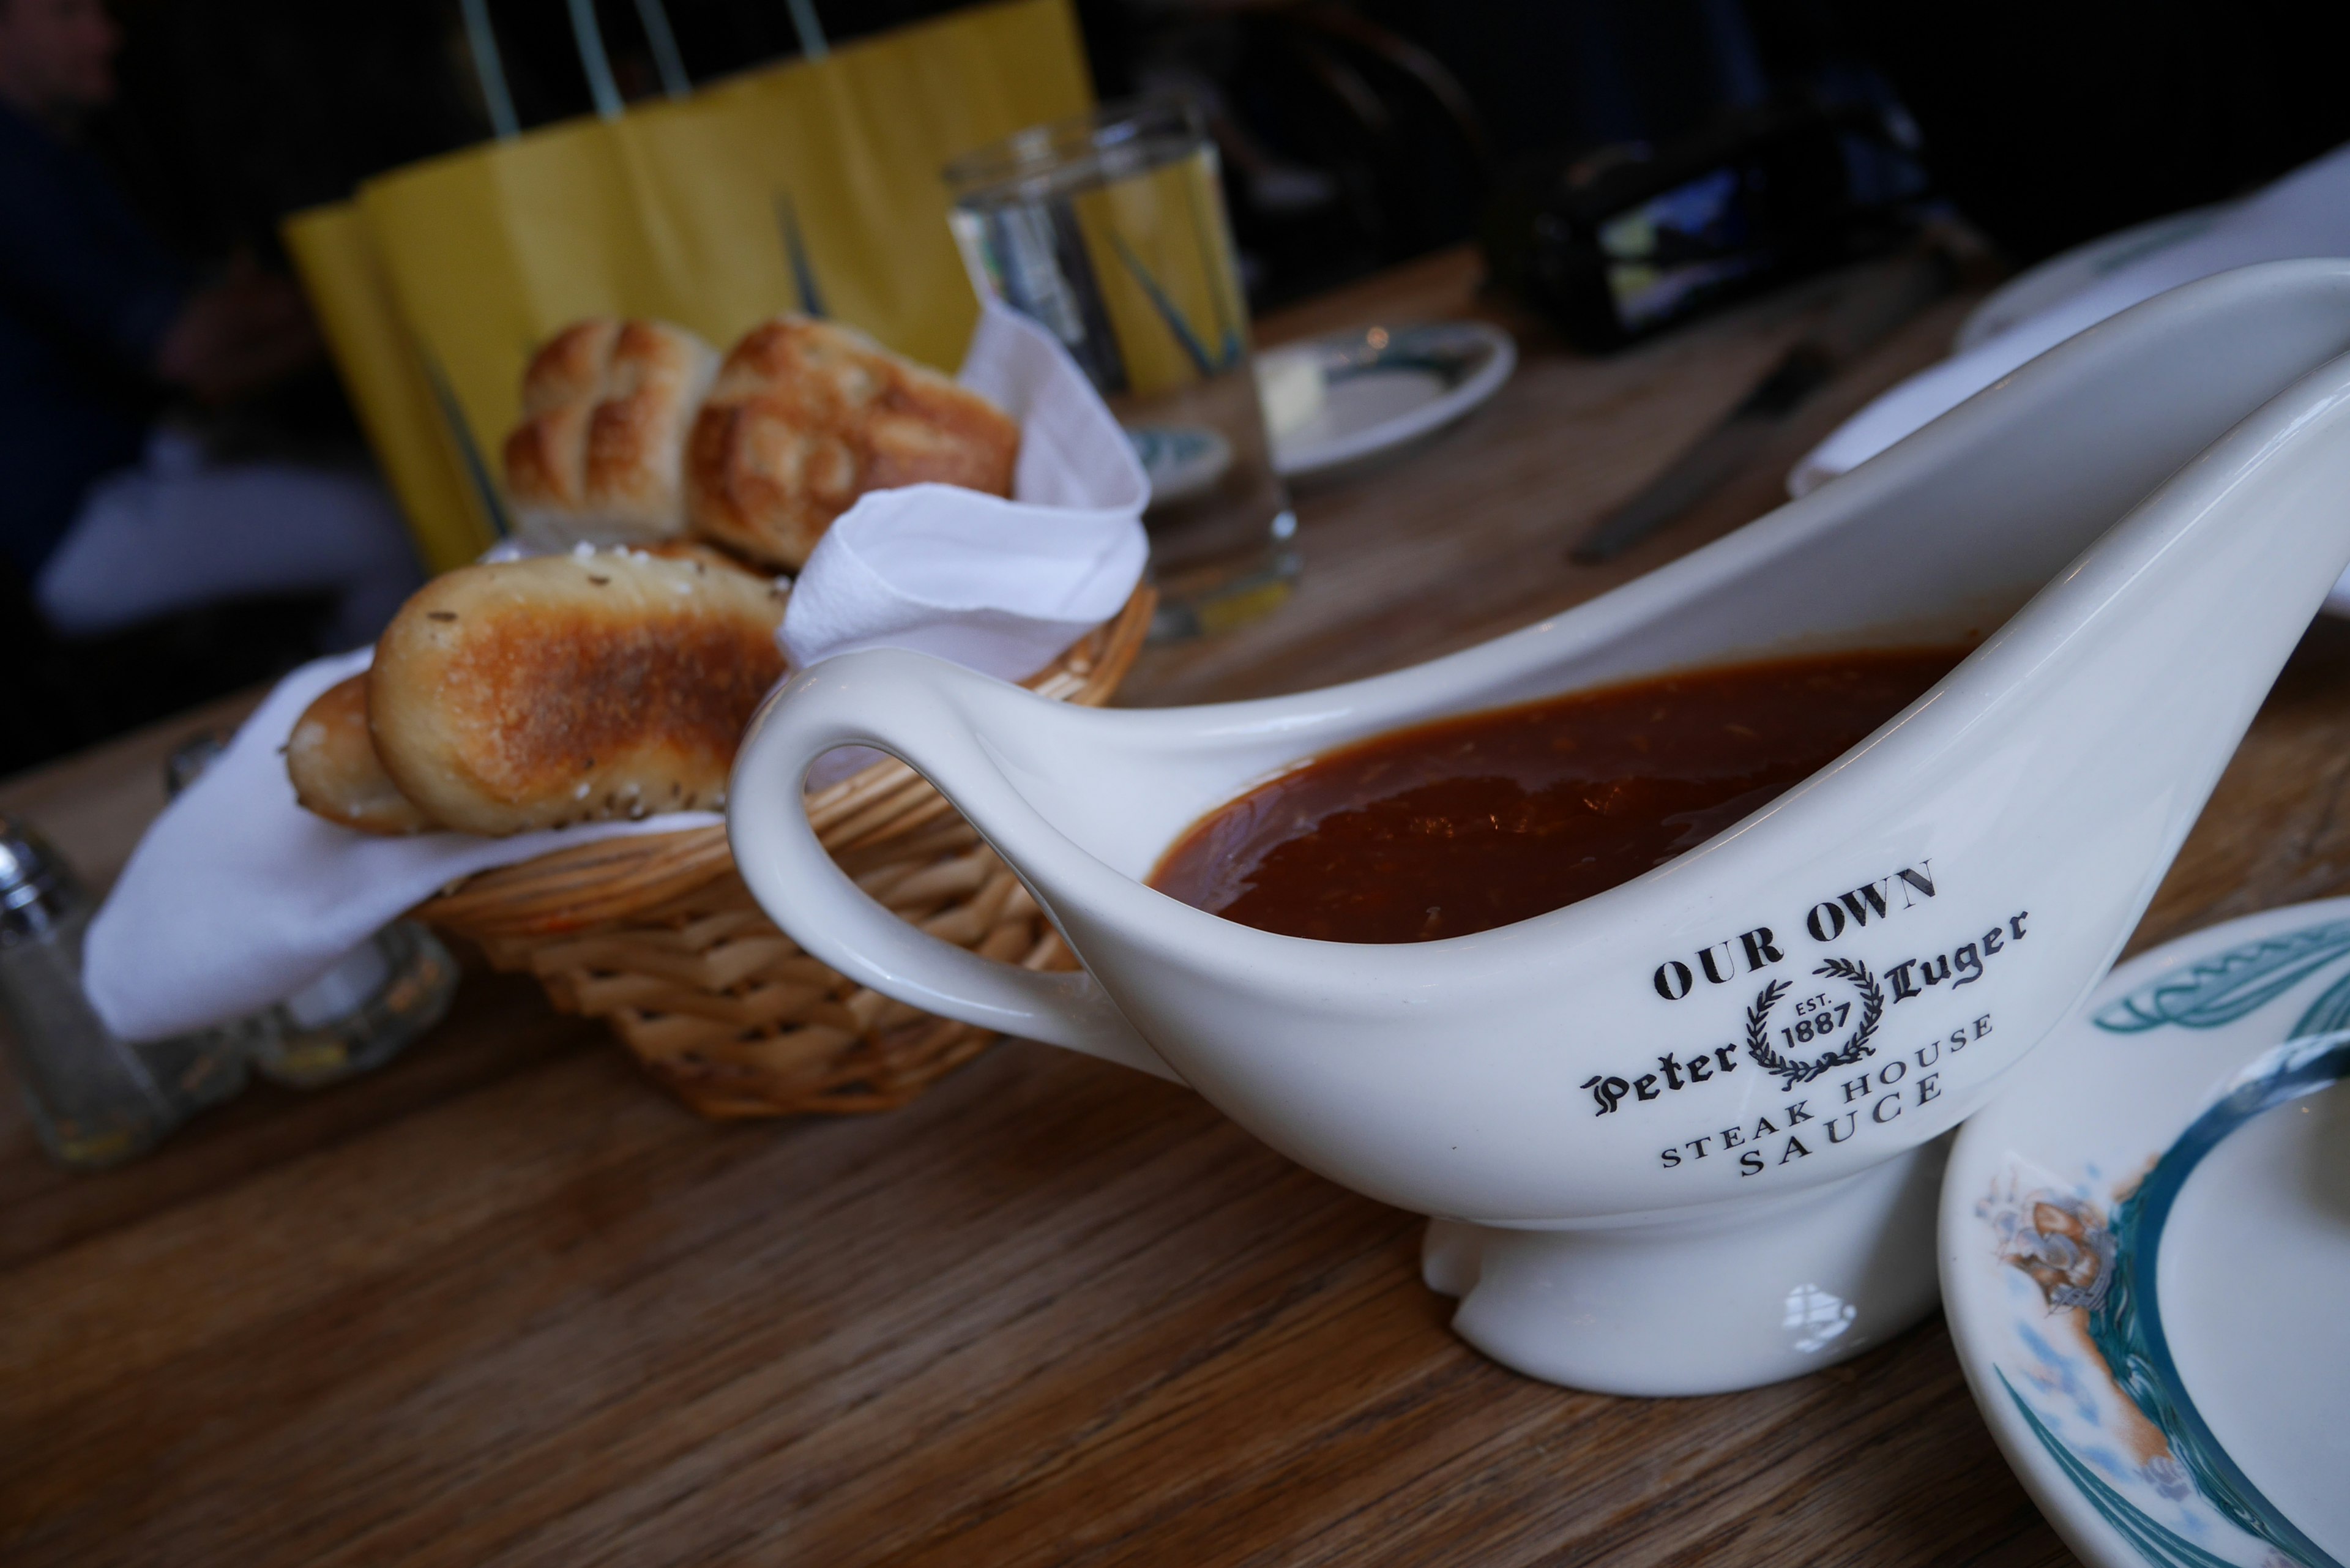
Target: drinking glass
x,y
1109,230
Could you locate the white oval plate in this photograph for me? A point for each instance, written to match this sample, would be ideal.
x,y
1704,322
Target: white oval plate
x,y
2050,283
1386,387
2146,1254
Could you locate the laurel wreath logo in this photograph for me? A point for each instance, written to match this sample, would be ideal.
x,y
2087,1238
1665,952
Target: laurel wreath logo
x,y
1792,1073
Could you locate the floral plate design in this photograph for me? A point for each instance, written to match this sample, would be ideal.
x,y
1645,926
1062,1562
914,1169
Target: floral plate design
x,y
2146,1254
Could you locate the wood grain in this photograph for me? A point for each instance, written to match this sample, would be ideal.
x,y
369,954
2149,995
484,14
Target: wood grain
x,y
503,1303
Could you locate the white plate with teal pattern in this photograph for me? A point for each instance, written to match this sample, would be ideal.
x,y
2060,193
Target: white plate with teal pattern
x,y
2146,1254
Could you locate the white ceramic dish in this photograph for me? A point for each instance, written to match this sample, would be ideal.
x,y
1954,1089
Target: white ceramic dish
x,y
1385,388
2163,497
2060,278
2052,282
2146,1254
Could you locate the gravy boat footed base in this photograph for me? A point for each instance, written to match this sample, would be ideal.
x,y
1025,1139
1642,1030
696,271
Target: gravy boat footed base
x,y
1640,1187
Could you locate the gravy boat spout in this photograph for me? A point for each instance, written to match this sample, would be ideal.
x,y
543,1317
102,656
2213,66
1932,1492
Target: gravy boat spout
x,y
1641,1182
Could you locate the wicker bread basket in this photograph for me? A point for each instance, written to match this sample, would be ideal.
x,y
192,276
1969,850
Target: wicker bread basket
x,y
658,935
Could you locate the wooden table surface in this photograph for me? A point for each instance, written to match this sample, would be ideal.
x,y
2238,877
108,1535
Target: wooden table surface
x,y
505,1302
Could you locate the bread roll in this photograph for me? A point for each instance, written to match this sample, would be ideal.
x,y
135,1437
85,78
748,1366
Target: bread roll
x,y
330,756
564,689
607,406
807,416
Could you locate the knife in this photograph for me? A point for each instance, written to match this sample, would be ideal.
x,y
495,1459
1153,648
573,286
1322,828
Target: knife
x,y
1863,318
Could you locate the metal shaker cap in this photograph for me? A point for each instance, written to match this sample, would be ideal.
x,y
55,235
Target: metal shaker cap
x,y
37,888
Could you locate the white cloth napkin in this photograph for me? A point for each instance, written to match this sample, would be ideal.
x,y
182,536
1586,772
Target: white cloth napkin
x,y
238,897
1000,585
2305,214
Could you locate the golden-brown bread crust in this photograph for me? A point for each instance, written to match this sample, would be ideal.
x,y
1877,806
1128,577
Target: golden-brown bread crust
x,y
695,550
330,756
536,693
599,455
807,416
570,367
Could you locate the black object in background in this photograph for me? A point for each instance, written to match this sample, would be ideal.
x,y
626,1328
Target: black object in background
x,y
1346,144
2055,121
1365,130
1359,134
1624,241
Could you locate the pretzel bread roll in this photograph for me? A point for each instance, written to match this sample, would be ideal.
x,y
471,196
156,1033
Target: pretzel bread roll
x,y
564,689
807,416
599,453
330,756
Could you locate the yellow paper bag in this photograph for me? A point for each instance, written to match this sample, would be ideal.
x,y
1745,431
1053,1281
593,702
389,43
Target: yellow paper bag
x,y
451,502
812,186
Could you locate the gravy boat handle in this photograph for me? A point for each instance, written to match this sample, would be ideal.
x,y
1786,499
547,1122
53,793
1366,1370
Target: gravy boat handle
x,y
914,708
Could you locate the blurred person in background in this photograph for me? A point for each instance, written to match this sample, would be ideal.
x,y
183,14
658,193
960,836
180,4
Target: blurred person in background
x,y
111,515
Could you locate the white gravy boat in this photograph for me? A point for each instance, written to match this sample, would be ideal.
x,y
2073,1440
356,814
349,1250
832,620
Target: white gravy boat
x,y
1629,1197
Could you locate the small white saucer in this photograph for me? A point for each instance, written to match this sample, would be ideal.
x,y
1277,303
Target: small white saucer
x,y
2146,1254
1385,387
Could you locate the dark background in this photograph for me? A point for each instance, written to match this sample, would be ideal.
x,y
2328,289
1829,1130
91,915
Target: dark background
x,y
1356,134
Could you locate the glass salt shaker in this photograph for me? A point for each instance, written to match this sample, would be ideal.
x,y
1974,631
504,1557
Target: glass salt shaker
x,y
191,1072
359,1014
95,1100
363,1012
